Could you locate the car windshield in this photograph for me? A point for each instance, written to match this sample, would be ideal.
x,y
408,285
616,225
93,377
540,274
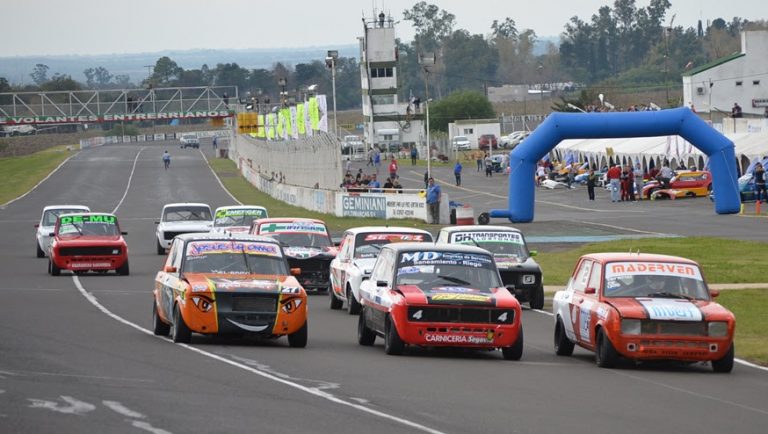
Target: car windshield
x,y
297,239
432,271
503,244
369,245
187,213
459,139
654,279
50,216
238,216
234,257
90,225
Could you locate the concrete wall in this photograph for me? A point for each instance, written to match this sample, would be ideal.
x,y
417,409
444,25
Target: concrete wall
x,y
306,162
323,201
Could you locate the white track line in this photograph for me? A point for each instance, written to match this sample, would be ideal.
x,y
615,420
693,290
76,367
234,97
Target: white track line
x,y
41,181
739,361
130,178
259,372
219,179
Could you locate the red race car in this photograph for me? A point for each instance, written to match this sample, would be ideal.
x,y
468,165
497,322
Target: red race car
x,y
85,242
642,307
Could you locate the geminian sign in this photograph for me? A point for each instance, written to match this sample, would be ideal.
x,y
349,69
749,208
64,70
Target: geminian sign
x,y
21,120
363,205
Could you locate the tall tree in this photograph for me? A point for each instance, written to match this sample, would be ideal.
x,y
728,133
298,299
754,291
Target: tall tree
x,y
465,104
166,72
40,74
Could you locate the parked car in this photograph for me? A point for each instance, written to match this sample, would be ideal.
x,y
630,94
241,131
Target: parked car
x,y
642,307
688,184
48,223
190,141
461,143
181,218
17,130
513,139
85,242
487,139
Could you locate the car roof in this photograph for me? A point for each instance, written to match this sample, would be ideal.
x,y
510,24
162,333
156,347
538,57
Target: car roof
x,y
182,204
239,207
89,213
480,228
287,220
384,229
636,257
209,236
419,247
50,207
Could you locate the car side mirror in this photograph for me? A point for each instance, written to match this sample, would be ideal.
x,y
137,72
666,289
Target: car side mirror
x,y
714,292
295,271
382,283
124,233
533,252
157,222
37,225
51,234
169,269
590,290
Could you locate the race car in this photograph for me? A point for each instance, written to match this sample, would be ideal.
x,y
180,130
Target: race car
x,y
692,184
48,222
438,295
236,218
233,284
181,218
307,245
519,271
85,242
642,307
357,254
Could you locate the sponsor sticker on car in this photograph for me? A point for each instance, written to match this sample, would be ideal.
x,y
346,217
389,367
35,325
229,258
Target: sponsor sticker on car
x,y
498,237
197,248
394,238
619,269
446,258
305,227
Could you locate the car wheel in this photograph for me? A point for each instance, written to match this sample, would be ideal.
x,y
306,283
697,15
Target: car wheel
x,y
536,298
365,336
40,252
160,248
124,270
605,354
393,345
55,271
353,306
159,328
563,345
298,339
336,304
180,333
483,218
725,364
515,352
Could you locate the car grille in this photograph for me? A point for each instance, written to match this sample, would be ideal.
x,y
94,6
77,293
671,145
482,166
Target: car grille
x,y
314,271
460,315
172,235
679,328
90,251
253,303
516,278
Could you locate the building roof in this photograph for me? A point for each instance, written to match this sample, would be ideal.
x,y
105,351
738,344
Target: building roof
x,y
713,64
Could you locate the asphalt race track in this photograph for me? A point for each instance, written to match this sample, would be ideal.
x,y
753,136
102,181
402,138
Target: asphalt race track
x,y
77,354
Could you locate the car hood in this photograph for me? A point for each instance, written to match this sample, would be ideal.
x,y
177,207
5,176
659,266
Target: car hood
x,y
515,263
233,229
89,240
454,295
248,283
186,225
668,309
310,252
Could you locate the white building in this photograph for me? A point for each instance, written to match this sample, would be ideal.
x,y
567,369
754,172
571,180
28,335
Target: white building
x,y
739,78
390,123
473,129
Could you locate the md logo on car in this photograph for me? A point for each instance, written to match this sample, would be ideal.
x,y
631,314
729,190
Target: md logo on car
x,y
420,256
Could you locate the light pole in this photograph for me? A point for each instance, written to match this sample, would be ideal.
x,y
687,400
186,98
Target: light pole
x,y
541,82
710,100
330,61
426,60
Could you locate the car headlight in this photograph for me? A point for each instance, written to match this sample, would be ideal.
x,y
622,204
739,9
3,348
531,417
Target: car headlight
x,y
630,326
718,329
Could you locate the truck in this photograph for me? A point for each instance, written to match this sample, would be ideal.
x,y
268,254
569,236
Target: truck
x,y
17,130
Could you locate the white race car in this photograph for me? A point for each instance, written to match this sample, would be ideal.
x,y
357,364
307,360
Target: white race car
x,y
181,218
237,218
357,253
48,221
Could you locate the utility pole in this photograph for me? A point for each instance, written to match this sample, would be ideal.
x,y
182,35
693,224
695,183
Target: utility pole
x,y
330,61
426,60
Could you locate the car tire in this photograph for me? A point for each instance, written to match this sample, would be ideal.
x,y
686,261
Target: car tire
x,y
563,345
298,339
515,352
536,298
353,306
336,304
365,336
55,271
483,218
124,270
180,333
40,252
159,328
605,354
724,365
393,345
160,248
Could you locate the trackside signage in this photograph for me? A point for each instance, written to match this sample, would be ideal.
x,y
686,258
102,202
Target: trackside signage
x,y
21,120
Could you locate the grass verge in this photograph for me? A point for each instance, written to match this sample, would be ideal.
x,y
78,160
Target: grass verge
x,y
20,174
751,322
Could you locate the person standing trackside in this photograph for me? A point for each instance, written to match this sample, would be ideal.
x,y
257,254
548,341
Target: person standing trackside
x,y
393,169
215,143
457,172
166,159
613,175
376,160
759,174
591,182
414,155
638,173
479,157
488,165
433,201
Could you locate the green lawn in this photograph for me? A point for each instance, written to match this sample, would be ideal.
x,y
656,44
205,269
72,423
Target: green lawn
x,y
751,322
20,174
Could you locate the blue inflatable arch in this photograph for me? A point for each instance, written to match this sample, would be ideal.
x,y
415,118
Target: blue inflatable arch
x,y
561,126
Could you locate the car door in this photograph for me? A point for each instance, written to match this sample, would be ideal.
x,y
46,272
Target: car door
x,y
581,303
377,296
341,263
169,281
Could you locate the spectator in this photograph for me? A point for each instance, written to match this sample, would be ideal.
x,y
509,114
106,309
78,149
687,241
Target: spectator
x,y
393,168
665,175
572,170
433,201
426,179
638,182
414,155
370,158
388,185
215,143
614,176
376,160
541,174
591,182
488,165
396,185
374,186
736,110
759,174
479,158
348,166
359,176
166,159
457,172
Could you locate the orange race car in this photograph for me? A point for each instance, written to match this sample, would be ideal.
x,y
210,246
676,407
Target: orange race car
x,y
685,184
642,307
222,284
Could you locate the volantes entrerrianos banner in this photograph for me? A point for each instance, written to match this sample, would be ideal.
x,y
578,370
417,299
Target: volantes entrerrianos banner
x,y
22,120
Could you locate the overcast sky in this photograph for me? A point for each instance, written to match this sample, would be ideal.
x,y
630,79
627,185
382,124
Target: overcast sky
x,y
39,27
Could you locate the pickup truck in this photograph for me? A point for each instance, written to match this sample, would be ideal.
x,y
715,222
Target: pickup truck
x,y
190,140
